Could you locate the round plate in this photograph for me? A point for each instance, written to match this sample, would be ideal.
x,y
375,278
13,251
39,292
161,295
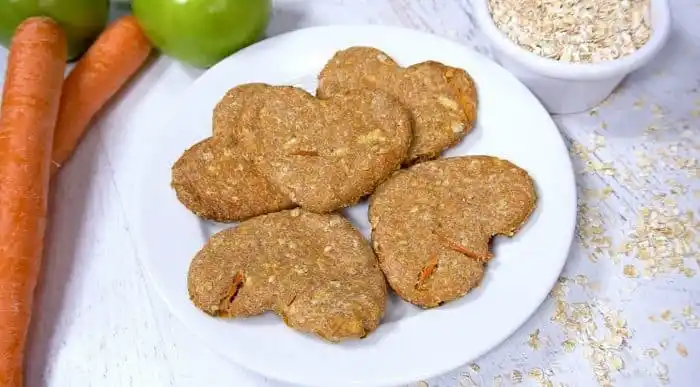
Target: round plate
x,y
410,344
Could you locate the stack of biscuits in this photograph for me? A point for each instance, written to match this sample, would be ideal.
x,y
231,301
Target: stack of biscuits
x,y
283,162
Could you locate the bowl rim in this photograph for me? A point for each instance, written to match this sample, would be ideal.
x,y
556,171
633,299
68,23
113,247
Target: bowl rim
x,y
661,25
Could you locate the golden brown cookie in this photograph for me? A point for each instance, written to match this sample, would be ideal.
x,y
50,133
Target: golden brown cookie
x,y
432,223
315,271
215,182
228,111
442,99
326,154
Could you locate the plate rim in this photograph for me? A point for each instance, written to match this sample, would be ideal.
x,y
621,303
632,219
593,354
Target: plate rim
x,y
144,251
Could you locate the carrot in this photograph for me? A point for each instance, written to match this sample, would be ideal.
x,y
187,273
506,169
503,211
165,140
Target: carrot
x,y
31,95
427,271
112,59
463,250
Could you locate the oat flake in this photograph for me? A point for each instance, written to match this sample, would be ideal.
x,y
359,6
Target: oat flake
x,y
516,377
666,315
569,345
630,271
575,30
534,340
651,353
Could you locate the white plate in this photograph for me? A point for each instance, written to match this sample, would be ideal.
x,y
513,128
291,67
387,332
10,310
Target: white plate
x,y
410,344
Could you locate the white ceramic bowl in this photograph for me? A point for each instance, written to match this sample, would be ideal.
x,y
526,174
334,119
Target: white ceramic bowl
x,y
565,87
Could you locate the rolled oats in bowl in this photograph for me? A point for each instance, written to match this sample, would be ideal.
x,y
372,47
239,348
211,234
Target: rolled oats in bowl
x,y
579,31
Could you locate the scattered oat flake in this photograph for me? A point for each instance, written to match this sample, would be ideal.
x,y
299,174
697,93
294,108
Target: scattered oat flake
x,y
680,348
651,353
630,271
651,129
602,350
606,191
536,373
569,345
516,377
687,311
666,315
598,141
663,343
422,384
677,325
465,380
605,168
497,381
617,363
662,236
474,367
534,340
581,280
688,272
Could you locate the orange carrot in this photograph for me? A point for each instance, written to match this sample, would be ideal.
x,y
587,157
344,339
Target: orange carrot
x,y
107,65
463,250
32,91
427,271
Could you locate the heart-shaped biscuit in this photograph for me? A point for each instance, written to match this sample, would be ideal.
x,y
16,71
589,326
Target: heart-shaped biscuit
x,y
228,111
432,223
213,179
215,182
325,154
441,99
316,271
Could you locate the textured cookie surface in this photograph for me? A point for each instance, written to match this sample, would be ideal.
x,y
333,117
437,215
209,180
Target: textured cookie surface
x,y
215,182
228,111
315,271
441,99
326,154
432,223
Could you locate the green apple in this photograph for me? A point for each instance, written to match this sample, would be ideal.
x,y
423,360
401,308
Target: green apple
x,y
81,20
202,32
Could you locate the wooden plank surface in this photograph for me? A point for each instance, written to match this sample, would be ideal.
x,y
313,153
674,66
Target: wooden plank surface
x,y
625,312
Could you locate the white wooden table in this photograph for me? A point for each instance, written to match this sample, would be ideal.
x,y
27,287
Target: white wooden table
x,y
625,312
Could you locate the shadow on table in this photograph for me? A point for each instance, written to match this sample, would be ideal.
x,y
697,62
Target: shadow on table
x,y
67,225
67,230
